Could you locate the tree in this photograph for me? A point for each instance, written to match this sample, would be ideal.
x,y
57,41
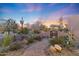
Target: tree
x,y
22,22
11,25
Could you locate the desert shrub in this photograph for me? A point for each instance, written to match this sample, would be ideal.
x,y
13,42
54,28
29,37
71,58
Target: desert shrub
x,y
18,32
7,40
36,31
54,41
30,41
2,54
3,51
63,41
15,46
33,38
24,42
37,37
23,31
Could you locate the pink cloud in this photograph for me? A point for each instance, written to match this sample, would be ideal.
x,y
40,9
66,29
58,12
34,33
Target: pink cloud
x,y
31,8
60,13
63,12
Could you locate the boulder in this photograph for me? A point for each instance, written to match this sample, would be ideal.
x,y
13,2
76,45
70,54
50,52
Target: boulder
x,y
52,49
58,47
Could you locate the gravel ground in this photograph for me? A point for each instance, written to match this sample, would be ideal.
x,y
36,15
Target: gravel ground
x,y
35,49
39,49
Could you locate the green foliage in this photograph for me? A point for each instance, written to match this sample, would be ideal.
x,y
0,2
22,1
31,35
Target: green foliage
x,y
24,31
55,41
30,41
33,37
7,40
64,41
36,31
4,49
37,37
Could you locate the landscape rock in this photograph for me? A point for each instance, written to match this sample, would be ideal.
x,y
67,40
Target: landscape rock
x,y
55,48
58,47
52,49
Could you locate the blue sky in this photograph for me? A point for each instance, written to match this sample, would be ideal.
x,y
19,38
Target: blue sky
x,y
32,12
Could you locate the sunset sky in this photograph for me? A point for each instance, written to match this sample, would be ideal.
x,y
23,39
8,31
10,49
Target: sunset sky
x,y
32,12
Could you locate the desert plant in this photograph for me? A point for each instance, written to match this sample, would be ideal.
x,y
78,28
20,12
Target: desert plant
x,y
6,40
11,25
36,31
37,37
22,23
30,41
33,37
2,54
62,40
23,31
15,46
24,42
4,49
54,41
